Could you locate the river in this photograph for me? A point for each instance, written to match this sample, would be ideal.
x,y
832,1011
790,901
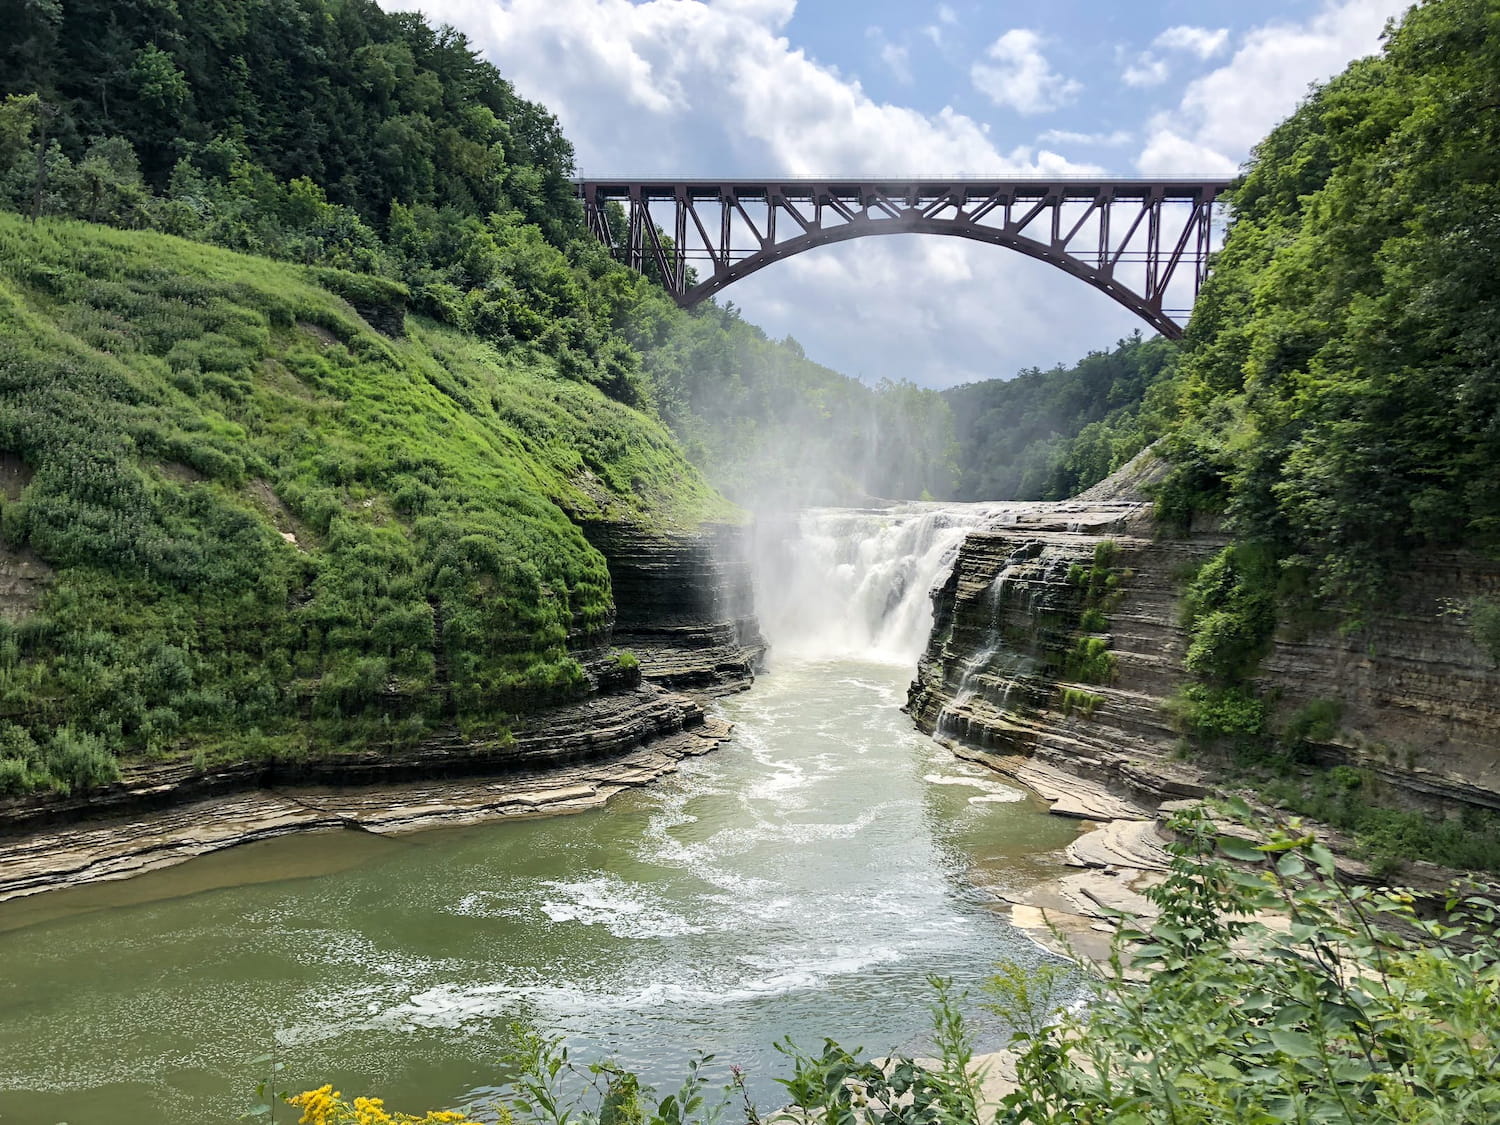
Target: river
x,y
804,881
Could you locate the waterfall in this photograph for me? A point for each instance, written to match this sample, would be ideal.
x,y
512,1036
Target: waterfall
x,y
981,661
842,582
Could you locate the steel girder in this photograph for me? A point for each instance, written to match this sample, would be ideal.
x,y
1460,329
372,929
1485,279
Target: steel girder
x,y
1146,243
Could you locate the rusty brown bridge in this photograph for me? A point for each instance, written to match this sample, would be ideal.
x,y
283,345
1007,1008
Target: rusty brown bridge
x,y
1146,243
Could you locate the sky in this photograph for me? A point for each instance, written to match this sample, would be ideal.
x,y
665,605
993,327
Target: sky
x,y
753,88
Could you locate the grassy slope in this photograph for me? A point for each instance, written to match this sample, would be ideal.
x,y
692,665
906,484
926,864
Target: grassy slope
x,y
184,409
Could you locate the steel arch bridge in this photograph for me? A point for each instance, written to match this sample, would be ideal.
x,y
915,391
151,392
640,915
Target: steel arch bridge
x,y
1146,243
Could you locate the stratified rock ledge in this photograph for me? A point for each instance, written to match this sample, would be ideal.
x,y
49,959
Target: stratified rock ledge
x,y
55,857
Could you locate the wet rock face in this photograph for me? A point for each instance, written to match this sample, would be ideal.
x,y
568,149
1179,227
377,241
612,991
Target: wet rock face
x,y
1418,702
684,605
996,673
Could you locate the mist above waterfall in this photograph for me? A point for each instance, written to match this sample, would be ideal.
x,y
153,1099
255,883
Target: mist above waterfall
x,y
856,582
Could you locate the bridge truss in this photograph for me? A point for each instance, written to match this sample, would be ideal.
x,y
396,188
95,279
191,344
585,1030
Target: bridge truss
x,y
1146,243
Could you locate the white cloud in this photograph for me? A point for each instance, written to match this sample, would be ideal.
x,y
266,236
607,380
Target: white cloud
x,y
1150,69
1068,137
1199,41
898,61
1224,113
946,18
772,13
1147,70
895,56
1019,77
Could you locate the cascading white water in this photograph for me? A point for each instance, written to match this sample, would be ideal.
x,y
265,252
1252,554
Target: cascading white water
x,y
982,660
842,582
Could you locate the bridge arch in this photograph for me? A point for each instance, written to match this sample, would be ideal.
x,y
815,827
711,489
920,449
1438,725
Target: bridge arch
x,y
1144,243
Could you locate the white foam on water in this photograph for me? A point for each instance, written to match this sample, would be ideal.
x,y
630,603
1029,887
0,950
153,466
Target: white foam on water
x,y
746,979
993,790
625,910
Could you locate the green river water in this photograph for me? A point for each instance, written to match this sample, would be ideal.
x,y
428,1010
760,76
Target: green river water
x,y
802,881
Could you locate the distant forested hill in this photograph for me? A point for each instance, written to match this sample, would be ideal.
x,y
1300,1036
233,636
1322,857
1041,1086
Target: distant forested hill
x,y
1047,435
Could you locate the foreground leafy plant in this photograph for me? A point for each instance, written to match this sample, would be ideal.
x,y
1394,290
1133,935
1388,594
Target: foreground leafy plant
x,y
1352,1009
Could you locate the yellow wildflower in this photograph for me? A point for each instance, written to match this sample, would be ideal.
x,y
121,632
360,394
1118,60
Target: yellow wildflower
x,y
324,1106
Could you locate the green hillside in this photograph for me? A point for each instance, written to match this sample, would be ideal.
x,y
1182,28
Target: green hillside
x,y
274,529
1048,435
1339,395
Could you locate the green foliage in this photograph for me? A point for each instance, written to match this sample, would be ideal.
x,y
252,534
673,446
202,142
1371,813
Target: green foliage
x,y
1229,609
366,105
1339,385
1484,620
1219,712
1076,701
1351,800
276,531
1315,721
1359,1011
1049,435
76,760
1090,661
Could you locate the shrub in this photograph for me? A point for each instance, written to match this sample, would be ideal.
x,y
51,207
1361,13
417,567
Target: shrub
x,y
16,777
77,761
1316,721
1484,620
1090,661
1216,712
1077,701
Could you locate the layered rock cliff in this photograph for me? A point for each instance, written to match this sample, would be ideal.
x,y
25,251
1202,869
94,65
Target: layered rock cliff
x,y
1010,667
684,604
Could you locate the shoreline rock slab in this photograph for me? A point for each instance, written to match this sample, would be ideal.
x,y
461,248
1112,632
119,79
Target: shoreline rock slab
x,y
57,857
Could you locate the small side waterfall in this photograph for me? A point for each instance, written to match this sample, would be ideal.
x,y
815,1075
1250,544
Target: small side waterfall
x,y
982,660
856,582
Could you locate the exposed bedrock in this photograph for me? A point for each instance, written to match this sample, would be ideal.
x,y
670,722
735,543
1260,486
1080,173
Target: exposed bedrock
x,y
684,604
597,729
1418,702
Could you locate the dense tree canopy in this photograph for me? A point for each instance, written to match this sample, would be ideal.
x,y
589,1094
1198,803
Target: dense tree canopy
x,y
1342,383
1046,435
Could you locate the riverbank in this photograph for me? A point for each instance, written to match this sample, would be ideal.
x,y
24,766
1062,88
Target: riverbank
x,y
1124,853
576,760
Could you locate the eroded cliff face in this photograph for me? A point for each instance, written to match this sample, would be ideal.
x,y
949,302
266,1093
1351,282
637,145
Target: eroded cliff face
x,y
1418,703
996,671
684,604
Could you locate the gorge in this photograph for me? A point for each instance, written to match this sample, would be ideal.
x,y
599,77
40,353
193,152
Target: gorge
x,y
803,880
357,478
